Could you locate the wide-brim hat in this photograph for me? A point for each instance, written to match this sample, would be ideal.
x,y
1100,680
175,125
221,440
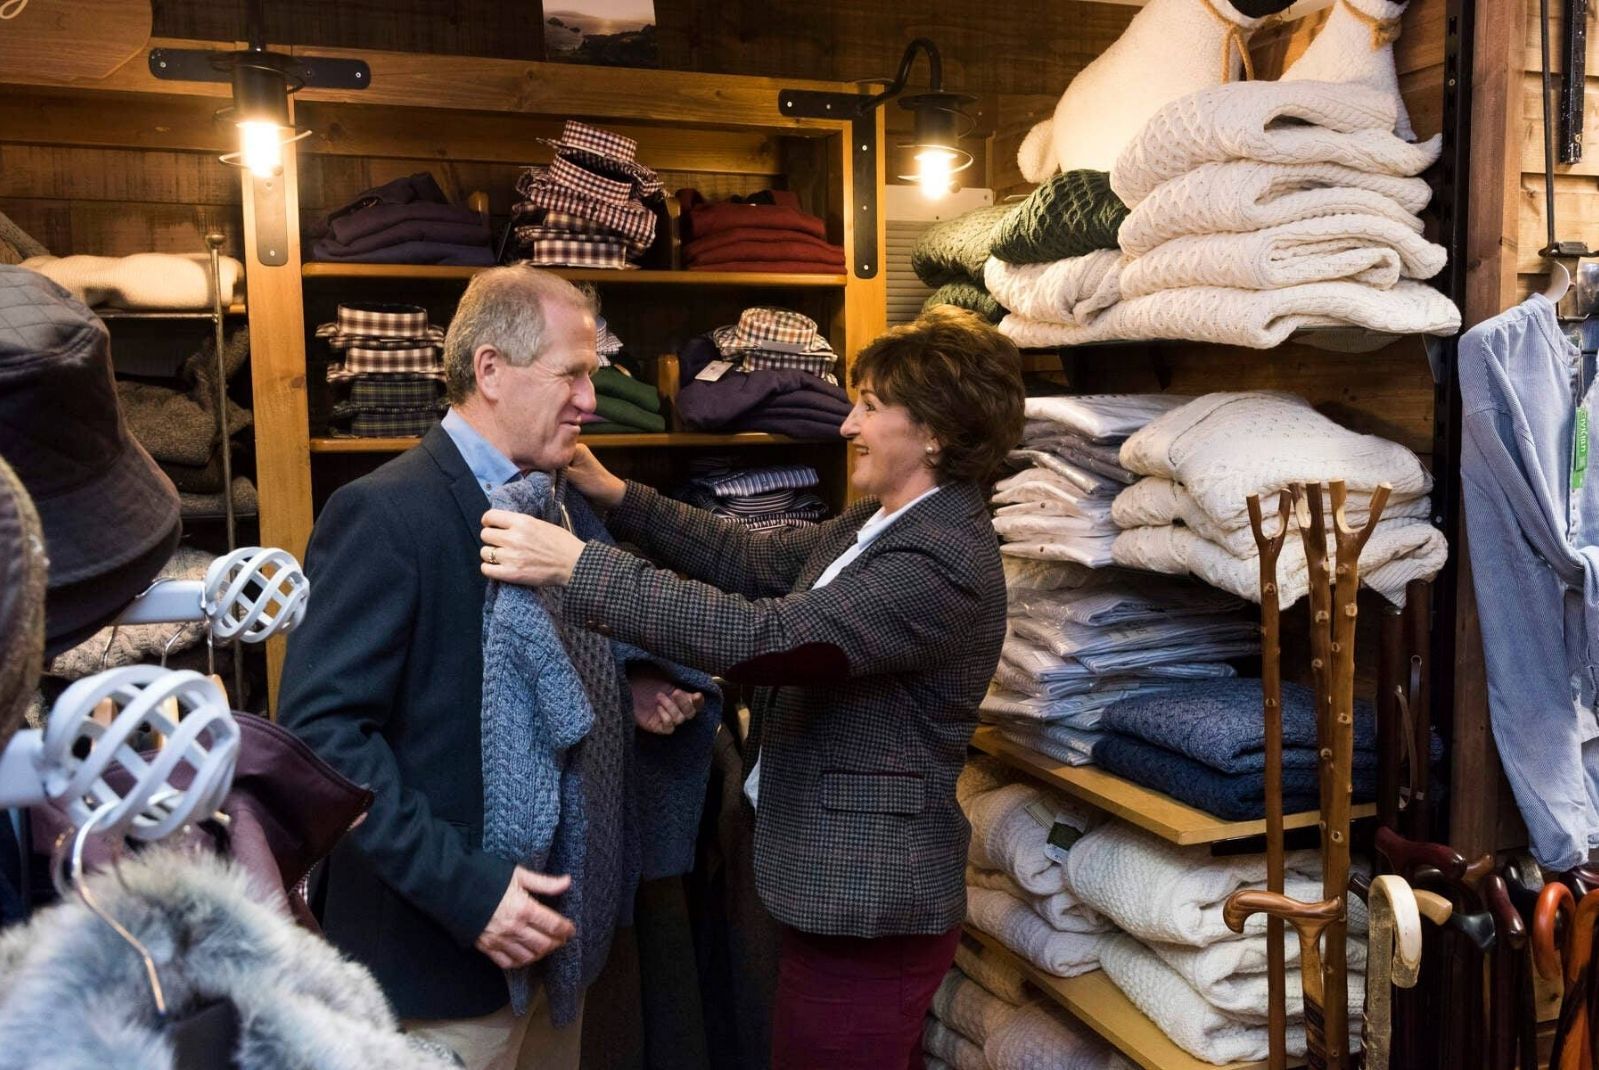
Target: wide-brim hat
x,y
23,570
771,330
604,151
106,509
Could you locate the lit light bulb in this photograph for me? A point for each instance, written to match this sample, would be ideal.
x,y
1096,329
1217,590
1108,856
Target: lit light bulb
x,y
935,170
261,146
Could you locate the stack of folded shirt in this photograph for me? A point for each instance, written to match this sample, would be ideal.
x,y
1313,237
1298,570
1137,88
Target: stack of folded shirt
x,y
1203,461
949,257
1201,983
775,376
623,405
594,206
776,339
388,371
763,232
407,221
760,498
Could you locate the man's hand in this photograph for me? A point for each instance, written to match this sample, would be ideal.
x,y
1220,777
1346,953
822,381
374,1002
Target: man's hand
x,y
524,930
659,707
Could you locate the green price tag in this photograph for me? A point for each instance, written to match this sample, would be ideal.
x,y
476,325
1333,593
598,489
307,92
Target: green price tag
x,y
1579,450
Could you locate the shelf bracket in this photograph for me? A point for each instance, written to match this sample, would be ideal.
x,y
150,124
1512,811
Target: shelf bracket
x,y
857,108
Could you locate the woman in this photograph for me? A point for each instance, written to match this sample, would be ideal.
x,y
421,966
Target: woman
x,y
872,636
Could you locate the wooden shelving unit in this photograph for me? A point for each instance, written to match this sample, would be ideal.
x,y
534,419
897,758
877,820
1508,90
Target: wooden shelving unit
x,y
643,440
740,279
163,314
1149,810
1094,1000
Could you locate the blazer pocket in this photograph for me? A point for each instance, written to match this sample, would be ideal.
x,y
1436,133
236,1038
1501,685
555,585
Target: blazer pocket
x,y
884,793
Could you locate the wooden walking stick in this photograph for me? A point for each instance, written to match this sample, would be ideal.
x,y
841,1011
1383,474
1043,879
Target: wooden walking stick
x,y
1271,688
1313,533
1310,921
1393,957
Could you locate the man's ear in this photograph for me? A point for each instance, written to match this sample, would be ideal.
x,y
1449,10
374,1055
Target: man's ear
x,y
487,364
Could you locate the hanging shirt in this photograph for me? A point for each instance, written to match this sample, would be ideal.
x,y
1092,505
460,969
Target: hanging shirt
x,y
869,533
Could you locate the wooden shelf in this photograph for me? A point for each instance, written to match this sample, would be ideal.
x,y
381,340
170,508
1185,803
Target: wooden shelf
x,y
438,272
668,439
163,314
1149,810
1094,1000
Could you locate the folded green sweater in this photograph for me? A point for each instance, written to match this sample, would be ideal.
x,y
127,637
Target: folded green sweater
x,y
955,250
616,411
966,295
606,427
1072,214
618,384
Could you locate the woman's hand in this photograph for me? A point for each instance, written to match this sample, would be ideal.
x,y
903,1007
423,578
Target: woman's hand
x,y
595,481
523,549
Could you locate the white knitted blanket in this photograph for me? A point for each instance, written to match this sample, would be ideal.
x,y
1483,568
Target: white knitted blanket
x,y
1224,447
1258,319
1154,502
160,281
1232,976
1063,910
1018,927
1009,833
1102,417
1184,1016
1244,195
1369,249
990,971
1043,1037
1347,49
945,1044
969,1008
1074,290
1399,550
1278,122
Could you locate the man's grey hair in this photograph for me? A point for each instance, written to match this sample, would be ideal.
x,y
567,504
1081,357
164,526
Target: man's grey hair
x,y
504,307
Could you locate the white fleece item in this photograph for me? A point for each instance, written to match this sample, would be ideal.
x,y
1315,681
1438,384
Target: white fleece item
x,y
1018,927
1102,417
1399,550
968,1008
1258,319
1368,249
1074,290
944,1043
1045,1037
1184,1016
1349,48
1243,195
1064,910
1213,447
991,972
1007,836
1219,974
152,281
1276,122
1170,49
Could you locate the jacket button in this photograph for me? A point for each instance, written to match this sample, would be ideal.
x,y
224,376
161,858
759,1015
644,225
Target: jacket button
x,y
604,629
591,624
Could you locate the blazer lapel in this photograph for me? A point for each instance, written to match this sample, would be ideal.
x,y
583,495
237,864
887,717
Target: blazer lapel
x,y
468,495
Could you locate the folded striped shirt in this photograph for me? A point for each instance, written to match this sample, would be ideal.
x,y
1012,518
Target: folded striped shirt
x,y
758,480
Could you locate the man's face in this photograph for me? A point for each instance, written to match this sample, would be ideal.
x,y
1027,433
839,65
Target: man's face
x,y
542,405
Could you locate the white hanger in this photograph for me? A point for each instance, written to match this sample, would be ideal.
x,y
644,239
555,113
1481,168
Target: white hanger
x,y
250,594
1559,282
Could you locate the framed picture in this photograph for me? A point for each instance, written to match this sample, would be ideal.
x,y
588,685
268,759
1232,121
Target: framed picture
x,y
613,33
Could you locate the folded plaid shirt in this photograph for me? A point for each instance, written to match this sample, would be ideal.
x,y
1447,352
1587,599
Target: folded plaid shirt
x,y
384,324
390,424
561,252
760,480
358,360
393,393
632,220
779,330
567,174
606,152
756,360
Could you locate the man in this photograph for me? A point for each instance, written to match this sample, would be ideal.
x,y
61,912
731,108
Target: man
x,y
384,680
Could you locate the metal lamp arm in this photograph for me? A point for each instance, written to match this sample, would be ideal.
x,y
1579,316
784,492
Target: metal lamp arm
x,y
935,74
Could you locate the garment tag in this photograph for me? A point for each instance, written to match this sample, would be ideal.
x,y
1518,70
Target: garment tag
x,y
714,371
1062,837
1579,450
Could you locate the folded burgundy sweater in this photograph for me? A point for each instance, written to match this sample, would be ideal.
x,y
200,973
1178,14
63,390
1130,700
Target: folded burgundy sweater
x,y
701,217
722,239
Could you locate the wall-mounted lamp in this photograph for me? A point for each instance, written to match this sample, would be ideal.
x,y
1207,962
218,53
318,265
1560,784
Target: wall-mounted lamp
x,y
262,81
939,157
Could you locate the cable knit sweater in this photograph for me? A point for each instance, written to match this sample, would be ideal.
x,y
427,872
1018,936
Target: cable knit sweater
x,y
1073,290
1349,48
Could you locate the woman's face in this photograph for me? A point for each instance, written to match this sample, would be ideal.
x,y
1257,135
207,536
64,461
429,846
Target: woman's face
x,y
890,446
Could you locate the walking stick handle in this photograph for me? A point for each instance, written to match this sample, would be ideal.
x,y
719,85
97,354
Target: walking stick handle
x,y
1478,928
1434,907
1555,899
1407,856
1507,919
1308,918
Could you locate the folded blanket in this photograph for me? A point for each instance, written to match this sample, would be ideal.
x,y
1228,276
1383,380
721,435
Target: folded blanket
x,y
1154,501
1103,417
943,1043
1258,319
1073,290
1277,122
1070,214
1399,550
956,249
1219,975
968,1008
968,295
1019,928
1369,249
1246,195
1010,828
1064,911
1044,1037
990,971
1213,447
1184,1016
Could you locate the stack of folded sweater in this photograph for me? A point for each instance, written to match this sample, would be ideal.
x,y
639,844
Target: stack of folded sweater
x,y
387,372
972,1028
406,221
623,404
593,206
763,232
1264,208
747,378
760,498
949,257
1054,258
1203,460
1201,983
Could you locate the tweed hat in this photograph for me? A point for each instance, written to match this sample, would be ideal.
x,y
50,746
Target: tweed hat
x,y
23,568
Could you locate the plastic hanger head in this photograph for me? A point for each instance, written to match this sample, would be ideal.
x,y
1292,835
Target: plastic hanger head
x,y
1559,282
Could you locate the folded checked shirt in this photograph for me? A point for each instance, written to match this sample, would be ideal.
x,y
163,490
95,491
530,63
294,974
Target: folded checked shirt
x,y
567,252
1068,639
391,424
533,223
357,361
379,325
379,393
630,219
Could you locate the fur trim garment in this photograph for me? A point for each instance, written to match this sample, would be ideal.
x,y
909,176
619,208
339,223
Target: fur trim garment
x,y
74,996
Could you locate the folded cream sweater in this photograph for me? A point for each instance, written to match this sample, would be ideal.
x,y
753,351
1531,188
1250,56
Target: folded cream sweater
x,y
1074,290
